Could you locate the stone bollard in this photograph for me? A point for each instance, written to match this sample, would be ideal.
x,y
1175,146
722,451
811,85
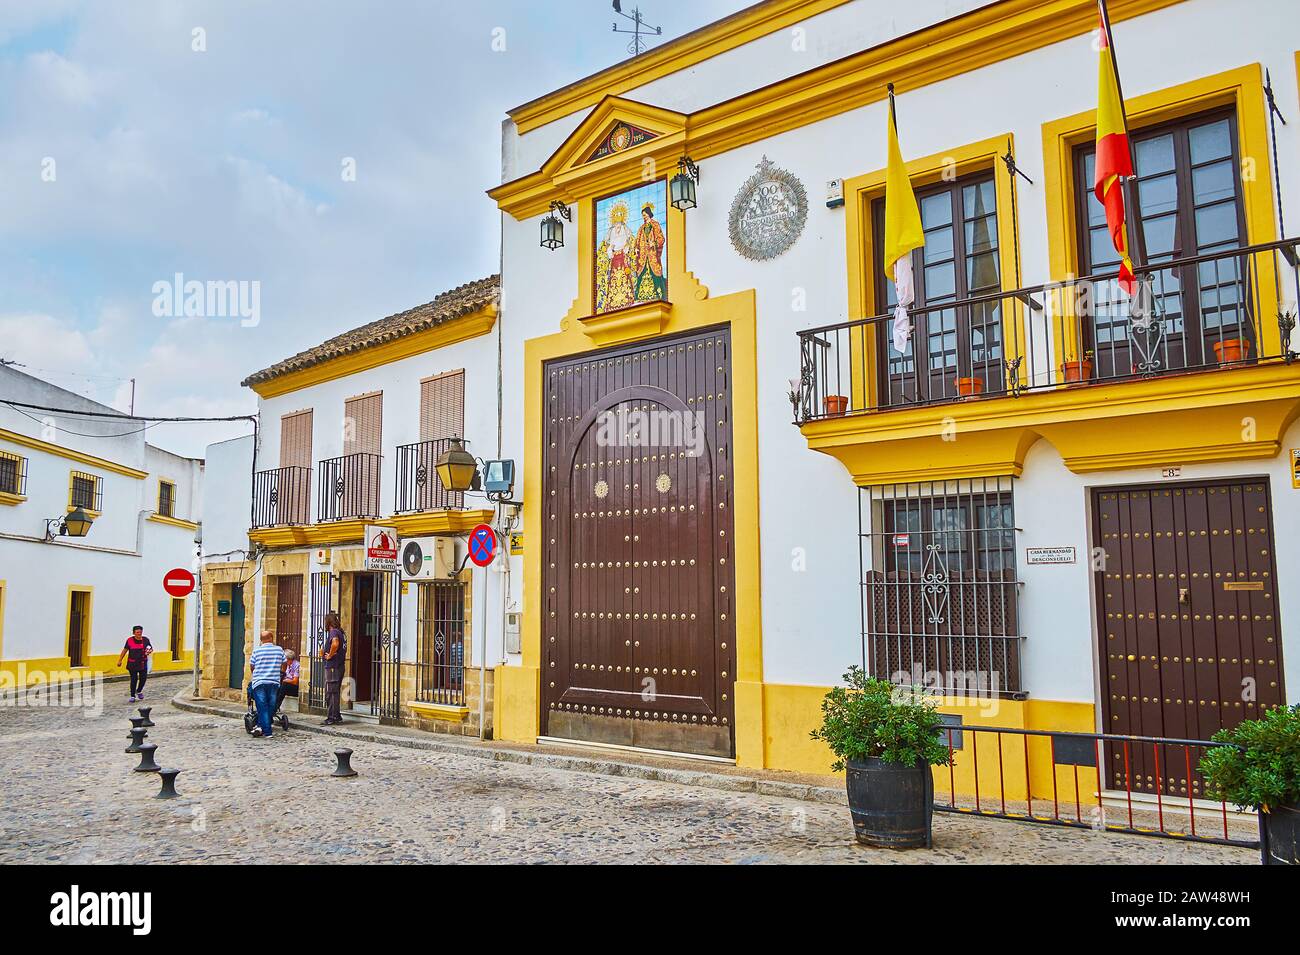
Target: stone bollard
x,y
344,768
168,784
144,714
147,765
137,739
136,723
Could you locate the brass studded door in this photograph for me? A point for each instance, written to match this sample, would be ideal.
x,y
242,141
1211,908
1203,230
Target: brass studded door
x,y
638,642
1187,612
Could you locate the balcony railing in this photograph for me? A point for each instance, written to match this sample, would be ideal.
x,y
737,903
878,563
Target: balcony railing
x,y
418,487
1227,308
281,496
348,486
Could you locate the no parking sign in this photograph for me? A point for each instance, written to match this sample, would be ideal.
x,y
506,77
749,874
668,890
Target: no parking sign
x,y
482,545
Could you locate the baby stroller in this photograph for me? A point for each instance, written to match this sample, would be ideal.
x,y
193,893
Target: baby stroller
x,y
279,719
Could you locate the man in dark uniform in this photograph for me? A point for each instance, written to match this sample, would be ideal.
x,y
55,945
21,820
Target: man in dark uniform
x,y
335,653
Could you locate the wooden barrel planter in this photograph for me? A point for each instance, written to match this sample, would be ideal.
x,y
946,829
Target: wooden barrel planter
x,y
1279,836
892,805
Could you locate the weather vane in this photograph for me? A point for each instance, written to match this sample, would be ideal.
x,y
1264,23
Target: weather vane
x,y
639,28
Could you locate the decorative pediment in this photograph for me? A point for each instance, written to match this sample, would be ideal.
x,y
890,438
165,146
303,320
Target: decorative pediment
x,y
595,157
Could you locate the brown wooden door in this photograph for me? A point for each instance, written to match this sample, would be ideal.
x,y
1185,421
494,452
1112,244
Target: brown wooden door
x,y
288,612
638,638
1188,624
77,629
366,621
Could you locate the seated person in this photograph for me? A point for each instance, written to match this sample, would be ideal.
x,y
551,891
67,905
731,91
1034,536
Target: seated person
x,y
288,678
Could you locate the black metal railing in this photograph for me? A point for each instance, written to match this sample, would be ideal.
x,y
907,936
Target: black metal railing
x,y
1200,312
418,487
282,496
87,491
1142,785
348,486
440,649
13,474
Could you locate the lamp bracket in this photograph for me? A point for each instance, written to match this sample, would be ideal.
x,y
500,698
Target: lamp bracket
x,y
688,165
565,212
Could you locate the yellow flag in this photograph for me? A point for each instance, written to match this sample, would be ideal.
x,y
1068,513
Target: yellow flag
x,y
903,231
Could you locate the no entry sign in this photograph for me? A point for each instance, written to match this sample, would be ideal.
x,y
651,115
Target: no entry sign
x,y
482,545
178,582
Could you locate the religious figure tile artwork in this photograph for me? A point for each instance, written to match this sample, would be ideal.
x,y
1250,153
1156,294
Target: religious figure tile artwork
x,y
632,247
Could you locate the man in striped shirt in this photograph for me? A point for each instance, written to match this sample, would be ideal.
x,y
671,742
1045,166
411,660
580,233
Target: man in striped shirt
x,y
266,662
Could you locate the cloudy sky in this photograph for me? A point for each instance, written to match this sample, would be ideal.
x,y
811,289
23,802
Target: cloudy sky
x,y
127,156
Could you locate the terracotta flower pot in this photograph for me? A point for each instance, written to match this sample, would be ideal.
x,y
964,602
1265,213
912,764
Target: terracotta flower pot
x,y
970,387
835,405
1076,371
1231,349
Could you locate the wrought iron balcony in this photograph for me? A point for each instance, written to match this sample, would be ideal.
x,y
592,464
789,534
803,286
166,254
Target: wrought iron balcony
x,y
281,496
418,487
1228,308
348,486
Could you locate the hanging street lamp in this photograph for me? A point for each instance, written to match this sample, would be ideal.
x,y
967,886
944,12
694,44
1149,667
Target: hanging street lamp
x,y
553,228
681,190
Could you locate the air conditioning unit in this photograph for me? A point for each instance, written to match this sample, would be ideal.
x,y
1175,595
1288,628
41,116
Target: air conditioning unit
x,y
427,558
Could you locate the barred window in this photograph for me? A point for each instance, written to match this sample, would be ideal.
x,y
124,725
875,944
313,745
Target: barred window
x,y
13,472
166,499
84,491
939,591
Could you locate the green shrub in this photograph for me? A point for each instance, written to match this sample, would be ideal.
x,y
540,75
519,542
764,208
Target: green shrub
x,y
869,717
1262,769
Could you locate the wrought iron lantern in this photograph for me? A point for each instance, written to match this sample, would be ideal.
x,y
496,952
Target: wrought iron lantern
x,y
75,524
553,228
457,468
681,190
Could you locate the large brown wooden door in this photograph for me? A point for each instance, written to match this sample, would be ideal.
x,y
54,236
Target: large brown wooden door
x,y
638,580
1188,624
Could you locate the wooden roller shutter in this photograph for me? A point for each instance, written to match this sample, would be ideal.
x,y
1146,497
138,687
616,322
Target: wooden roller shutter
x,y
365,433
295,439
442,406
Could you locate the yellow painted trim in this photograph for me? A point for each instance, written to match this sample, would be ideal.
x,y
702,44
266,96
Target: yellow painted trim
x,y
860,192
98,491
990,34
692,309
173,522
87,630
686,51
11,499
439,711
2,619
627,324
1174,419
440,522
1241,88
81,458
352,531
440,336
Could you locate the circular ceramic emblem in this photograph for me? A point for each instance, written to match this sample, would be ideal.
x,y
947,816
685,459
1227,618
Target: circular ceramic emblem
x,y
620,138
663,484
601,489
768,213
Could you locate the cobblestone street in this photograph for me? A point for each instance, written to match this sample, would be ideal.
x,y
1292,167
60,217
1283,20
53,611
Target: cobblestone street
x,y
70,796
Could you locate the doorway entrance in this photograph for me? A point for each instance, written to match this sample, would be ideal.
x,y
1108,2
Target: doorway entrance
x,y
365,597
236,675
376,641
1187,619
78,626
639,619
288,612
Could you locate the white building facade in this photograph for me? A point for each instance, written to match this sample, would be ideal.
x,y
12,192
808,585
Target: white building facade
x,y
1011,456
69,603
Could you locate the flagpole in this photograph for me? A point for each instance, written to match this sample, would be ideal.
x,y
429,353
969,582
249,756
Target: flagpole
x,y
1130,194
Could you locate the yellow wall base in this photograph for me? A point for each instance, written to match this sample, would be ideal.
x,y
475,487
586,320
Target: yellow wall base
x,y
518,695
44,670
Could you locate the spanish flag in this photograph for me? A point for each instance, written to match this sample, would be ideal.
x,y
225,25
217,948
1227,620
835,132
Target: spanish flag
x,y
903,231
1113,157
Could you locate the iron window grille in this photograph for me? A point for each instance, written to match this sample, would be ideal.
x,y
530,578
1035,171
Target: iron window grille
x,y
939,588
440,651
13,474
85,491
166,499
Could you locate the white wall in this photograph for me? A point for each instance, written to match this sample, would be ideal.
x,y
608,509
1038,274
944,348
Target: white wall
x,y
227,491
811,621
123,557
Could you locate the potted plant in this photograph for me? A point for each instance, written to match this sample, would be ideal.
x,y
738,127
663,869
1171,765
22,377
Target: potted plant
x,y
1261,769
887,738
835,405
1079,370
970,387
1231,349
